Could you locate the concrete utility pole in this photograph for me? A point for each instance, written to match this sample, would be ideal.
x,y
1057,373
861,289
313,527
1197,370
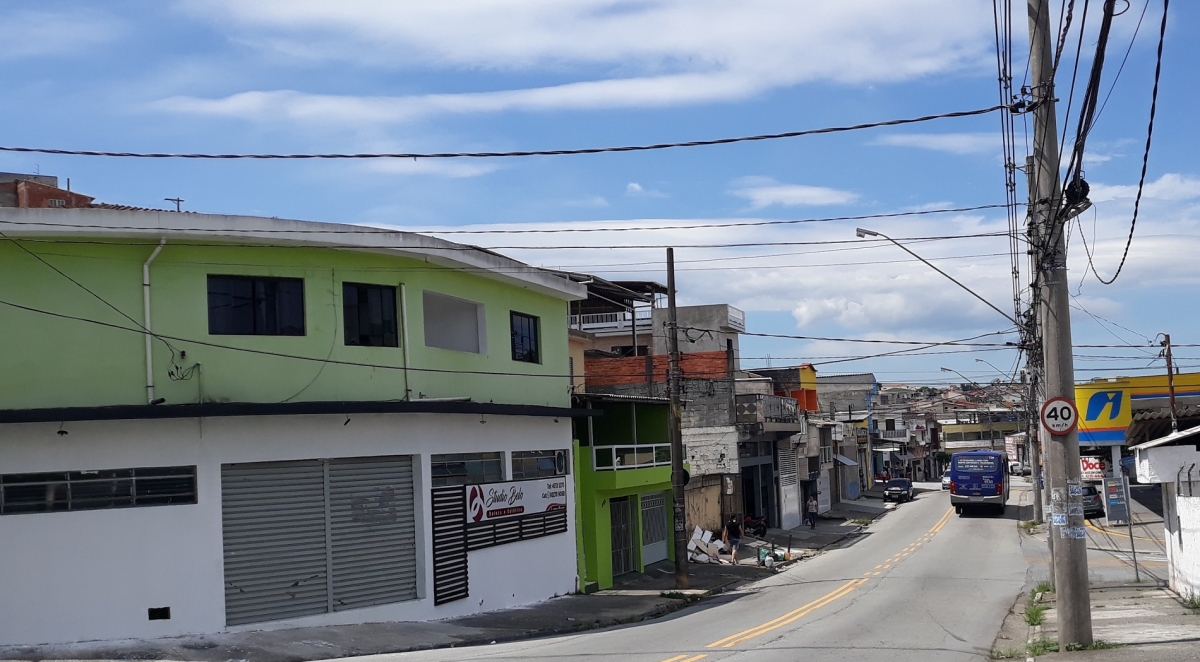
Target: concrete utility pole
x,y
676,431
1170,381
1065,486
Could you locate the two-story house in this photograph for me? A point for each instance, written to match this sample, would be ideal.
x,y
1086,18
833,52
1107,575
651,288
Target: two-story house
x,y
213,423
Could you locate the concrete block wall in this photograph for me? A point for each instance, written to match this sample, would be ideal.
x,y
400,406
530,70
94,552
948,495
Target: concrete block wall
x,y
711,450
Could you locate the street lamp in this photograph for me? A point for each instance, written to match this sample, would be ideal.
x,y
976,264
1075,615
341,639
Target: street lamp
x,y
863,232
969,381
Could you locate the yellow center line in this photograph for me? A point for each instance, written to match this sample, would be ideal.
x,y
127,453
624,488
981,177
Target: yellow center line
x,y
887,565
793,615
874,574
677,658
693,659
942,522
879,566
1118,533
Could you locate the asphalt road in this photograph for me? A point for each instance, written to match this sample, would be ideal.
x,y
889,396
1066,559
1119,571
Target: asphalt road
x,y
922,584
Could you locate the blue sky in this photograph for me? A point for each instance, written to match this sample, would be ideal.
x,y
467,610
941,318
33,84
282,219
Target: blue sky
x,y
309,75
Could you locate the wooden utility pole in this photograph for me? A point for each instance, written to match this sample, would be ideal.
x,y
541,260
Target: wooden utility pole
x,y
1062,450
676,431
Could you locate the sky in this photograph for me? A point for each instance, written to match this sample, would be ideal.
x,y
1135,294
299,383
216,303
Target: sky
x,y
301,76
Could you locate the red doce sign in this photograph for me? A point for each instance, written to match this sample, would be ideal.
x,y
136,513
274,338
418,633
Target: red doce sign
x,y
1093,468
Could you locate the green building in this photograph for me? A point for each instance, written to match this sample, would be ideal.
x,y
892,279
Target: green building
x,y
213,423
623,483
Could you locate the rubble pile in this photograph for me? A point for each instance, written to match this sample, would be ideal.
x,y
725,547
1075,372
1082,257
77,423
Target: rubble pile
x,y
703,548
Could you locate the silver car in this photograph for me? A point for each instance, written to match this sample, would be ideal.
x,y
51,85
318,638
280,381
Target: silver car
x,y
946,480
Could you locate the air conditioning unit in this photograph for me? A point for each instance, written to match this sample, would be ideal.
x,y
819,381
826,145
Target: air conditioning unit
x,y
562,462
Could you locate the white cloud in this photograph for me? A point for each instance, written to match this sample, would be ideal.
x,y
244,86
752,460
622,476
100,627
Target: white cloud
x,y
442,167
764,192
26,33
637,190
954,143
659,52
1171,186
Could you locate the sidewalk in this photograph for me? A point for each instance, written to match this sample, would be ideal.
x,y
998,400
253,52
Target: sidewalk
x,y
1130,610
639,597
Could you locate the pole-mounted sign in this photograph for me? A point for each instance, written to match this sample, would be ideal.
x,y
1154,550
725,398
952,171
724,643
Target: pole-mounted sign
x,y
1060,416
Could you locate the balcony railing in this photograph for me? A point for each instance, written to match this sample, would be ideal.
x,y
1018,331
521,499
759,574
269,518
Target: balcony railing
x,y
601,322
763,408
615,458
894,434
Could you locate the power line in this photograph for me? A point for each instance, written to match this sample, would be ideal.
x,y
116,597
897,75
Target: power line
x,y
463,247
733,224
482,155
1137,202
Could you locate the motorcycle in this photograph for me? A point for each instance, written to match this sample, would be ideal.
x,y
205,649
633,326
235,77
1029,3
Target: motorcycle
x,y
755,525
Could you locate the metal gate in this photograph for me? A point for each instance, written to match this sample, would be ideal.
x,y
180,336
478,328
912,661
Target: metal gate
x,y
654,527
622,535
789,488
316,536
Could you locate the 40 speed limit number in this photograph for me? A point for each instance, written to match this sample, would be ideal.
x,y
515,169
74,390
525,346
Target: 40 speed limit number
x,y
1059,416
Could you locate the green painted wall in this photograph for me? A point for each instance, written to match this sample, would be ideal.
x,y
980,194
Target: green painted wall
x,y
596,488
57,362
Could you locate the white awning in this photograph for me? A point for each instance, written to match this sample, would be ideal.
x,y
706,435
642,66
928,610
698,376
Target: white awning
x,y
905,457
846,461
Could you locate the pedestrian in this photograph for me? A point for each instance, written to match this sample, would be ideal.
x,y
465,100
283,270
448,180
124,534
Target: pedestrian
x,y
811,508
732,536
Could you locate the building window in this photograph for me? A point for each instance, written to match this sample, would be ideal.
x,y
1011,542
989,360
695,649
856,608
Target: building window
x,y
527,465
466,468
369,312
255,306
453,323
99,489
525,338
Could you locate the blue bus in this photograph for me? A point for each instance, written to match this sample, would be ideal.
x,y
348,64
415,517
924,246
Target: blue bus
x,y
978,480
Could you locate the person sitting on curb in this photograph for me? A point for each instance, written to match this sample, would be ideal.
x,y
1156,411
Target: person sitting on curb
x,y
732,536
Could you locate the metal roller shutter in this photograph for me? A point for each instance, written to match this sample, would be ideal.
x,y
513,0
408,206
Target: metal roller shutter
x,y
316,536
275,549
373,530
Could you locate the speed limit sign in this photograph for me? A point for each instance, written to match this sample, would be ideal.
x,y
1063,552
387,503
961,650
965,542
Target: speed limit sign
x,y
1059,416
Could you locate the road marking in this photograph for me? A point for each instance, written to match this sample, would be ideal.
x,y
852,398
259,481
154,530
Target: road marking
x,y
875,574
879,566
677,658
1118,533
693,659
887,565
942,522
789,617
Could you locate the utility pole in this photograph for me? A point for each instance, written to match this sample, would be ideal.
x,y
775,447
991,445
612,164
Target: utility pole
x,y
1066,488
1171,382
676,429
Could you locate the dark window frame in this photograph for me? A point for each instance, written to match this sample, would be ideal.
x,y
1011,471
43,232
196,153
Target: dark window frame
x,y
353,336
97,489
531,465
526,333
445,470
268,315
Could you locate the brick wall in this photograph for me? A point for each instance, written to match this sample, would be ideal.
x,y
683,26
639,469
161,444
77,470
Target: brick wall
x,y
633,369
34,195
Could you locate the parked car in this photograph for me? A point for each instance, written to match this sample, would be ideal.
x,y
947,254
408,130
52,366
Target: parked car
x,y
946,480
898,489
1093,502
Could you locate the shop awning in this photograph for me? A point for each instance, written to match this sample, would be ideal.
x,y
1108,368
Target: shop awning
x,y
846,461
905,457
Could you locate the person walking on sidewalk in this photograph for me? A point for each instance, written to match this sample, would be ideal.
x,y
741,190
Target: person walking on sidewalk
x,y
732,536
811,509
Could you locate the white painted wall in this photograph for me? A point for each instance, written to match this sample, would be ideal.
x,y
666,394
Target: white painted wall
x,y
1182,532
93,574
711,450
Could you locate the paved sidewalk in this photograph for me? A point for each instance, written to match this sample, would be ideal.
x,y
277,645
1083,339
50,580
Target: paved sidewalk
x,y
1148,623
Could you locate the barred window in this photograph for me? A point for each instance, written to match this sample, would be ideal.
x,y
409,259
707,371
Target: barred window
x,y
98,489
